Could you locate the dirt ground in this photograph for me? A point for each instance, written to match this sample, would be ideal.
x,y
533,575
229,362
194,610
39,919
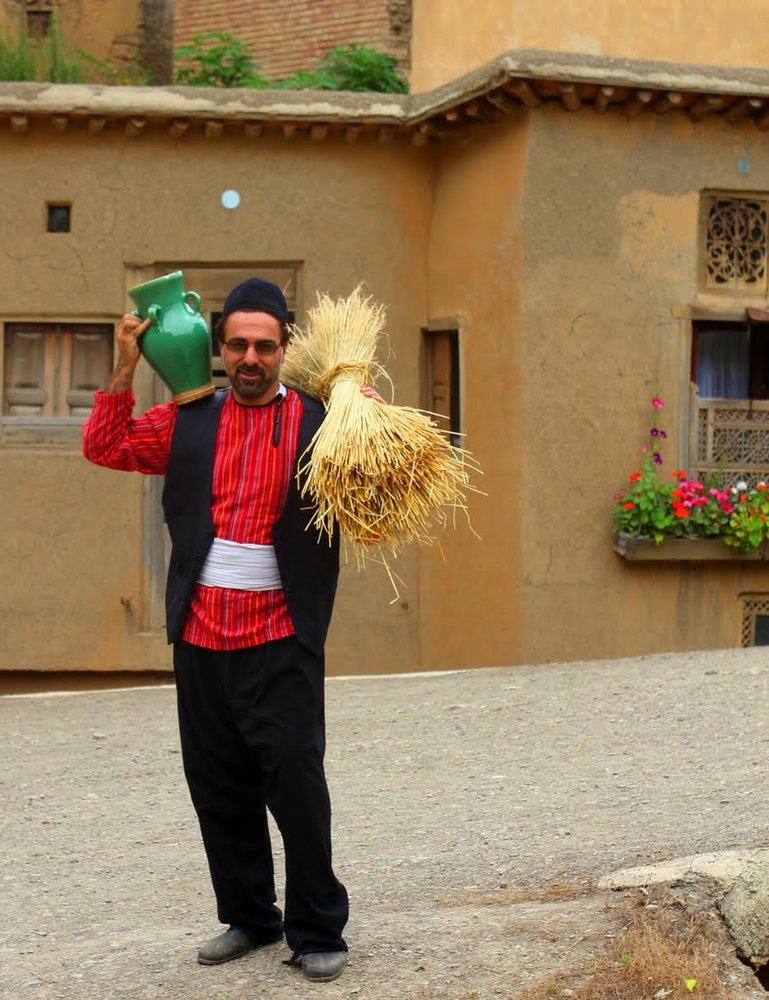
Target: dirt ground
x,y
474,812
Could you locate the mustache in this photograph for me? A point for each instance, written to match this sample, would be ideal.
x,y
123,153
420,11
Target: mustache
x,y
250,369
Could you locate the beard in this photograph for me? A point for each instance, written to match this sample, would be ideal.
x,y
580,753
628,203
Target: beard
x,y
252,388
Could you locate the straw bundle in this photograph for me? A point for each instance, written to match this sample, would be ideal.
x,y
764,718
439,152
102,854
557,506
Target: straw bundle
x,y
385,474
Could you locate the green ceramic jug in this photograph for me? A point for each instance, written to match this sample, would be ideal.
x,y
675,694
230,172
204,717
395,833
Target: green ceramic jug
x,y
177,344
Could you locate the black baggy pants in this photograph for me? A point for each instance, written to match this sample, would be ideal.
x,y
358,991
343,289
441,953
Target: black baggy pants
x,y
253,738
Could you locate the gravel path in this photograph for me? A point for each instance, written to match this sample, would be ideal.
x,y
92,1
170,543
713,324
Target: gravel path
x,y
458,798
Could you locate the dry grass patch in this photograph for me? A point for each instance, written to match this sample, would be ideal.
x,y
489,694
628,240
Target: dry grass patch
x,y
662,953
512,895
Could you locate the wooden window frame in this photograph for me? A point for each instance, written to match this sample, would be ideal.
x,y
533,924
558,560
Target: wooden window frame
x,y
441,393
61,405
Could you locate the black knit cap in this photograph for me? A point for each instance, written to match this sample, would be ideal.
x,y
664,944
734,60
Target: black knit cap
x,y
258,295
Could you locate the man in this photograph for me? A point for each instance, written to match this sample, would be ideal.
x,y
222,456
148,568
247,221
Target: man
x,y
249,598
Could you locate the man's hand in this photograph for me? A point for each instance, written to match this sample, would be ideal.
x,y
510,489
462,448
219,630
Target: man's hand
x,y
370,391
129,329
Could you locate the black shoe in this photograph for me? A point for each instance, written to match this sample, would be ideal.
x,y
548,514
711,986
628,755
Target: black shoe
x,y
323,966
224,947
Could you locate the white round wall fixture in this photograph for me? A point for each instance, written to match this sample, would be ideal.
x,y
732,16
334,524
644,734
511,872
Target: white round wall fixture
x,y
230,199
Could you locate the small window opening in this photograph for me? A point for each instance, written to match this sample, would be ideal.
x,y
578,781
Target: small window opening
x,y
59,218
730,360
38,23
441,388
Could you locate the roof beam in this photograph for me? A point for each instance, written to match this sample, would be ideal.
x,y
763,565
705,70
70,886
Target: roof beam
x,y
640,100
178,127
525,93
762,121
570,96
743,108
707,104
500,100
603,98
665,102
135,126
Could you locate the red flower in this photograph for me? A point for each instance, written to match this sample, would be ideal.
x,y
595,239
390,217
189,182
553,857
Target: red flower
x,y
629,505
634,477
678,474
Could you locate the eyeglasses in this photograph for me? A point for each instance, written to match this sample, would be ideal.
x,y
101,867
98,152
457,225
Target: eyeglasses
x,y
264,348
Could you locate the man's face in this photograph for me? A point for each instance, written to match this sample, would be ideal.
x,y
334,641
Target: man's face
x,y
252,356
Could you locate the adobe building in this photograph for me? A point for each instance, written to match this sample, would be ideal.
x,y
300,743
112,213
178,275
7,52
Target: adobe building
x,y
552,233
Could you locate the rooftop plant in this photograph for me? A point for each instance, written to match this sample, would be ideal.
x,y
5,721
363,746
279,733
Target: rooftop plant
x,y
217,59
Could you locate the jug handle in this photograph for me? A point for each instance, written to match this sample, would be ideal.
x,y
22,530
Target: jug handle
x,y
195,300
152,316
154,313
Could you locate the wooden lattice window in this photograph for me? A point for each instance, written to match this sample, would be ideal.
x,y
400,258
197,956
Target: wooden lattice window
x,y
755,620
52,369
736,243
732,439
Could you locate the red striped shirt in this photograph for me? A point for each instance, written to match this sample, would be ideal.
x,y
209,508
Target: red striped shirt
x,y
250,480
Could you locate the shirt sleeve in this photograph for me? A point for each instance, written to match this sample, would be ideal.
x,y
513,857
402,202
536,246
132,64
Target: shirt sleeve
x,y
115,439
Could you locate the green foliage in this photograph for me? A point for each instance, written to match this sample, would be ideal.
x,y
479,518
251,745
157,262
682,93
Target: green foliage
x,y
19,58
216,59
101,71
58,63
50,59
645,509
351,67
749,523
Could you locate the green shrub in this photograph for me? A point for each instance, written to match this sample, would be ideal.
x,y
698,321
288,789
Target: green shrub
x,y
216,59
350,67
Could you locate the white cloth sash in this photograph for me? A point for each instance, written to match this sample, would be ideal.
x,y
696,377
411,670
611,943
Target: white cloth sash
x,y
240,566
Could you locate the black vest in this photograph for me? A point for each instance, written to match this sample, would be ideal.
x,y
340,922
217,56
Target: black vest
x,y
308,564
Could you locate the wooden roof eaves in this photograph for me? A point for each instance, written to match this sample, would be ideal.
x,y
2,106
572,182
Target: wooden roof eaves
x,y
536,68
518,79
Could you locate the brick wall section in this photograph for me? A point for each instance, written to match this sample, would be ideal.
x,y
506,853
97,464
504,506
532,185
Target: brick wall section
x,y
288,35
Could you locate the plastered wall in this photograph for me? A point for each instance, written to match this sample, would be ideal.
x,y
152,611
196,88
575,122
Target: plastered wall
x,y
471,586
449,39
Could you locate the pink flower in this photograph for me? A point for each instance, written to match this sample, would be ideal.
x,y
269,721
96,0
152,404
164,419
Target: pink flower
x,y
657,403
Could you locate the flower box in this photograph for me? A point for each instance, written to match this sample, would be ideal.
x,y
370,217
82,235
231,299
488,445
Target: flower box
x,y
635,549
